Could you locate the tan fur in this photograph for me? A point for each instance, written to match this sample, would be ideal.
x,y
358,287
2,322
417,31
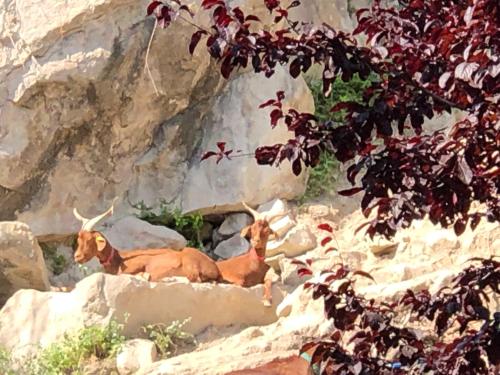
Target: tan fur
x,y
248,270
152,264
293,365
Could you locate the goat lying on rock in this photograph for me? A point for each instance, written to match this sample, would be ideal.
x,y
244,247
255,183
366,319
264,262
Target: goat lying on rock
x,y
250,269
153,264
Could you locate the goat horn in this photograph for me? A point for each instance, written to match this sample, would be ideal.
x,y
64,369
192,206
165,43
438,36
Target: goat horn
x,y
78,216
256,215
277,217
88,224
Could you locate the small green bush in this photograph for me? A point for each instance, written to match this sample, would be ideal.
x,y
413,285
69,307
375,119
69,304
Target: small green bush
x,y
169,338
189,225
69,355
5,362
57,262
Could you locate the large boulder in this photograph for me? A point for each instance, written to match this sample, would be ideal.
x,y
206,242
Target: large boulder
x,y
132,233
21,261
84,121
232,247
234,223
28,317
301,319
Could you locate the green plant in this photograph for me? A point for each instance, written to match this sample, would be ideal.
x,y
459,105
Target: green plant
x,y
5,362
57,262
189,225
68,355
169,338
322,177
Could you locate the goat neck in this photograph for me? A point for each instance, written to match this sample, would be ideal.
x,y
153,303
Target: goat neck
x,y
258,252
110,259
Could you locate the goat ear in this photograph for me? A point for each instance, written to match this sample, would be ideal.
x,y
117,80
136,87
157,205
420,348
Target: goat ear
x,y
245,232
100,242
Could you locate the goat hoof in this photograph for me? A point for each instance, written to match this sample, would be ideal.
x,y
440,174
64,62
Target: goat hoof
x,y
267,303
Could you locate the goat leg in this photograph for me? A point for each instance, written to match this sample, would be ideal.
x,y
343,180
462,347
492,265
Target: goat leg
x,y
268,297
270,277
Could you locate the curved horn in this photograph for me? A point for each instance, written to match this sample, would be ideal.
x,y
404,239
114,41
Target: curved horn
x,y
256,215
88,224
273,218
78,216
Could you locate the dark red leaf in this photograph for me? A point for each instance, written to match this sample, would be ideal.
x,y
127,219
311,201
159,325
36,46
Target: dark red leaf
x,y
350,192
195,39
364,274
152,7
208,154
326,227
221,146
304,272
325,240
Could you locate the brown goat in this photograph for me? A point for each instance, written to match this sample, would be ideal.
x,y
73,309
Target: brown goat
x,y
250,269
153,264
293,365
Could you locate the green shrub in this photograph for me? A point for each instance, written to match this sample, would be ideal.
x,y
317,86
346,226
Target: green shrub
x,y
322,178
56,262
5,362
69,355
169,338
189,225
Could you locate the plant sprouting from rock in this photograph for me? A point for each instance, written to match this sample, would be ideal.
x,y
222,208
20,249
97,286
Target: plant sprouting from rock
x,y
169,339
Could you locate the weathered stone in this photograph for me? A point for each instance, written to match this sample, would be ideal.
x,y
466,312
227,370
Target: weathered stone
x,y
132,233
234,246
216,188
135,355
255,345
234,223
296,242
21,260
283,225
28,317
381,249
274,207
321,211
82,120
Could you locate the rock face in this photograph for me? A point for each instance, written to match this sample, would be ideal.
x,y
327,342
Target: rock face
x,y
132,233
234,223
21,261
134,355
301,319
234,246
81,122
99,298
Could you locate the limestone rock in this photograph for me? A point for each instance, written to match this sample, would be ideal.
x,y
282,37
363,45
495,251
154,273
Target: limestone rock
x,y
234,246
254,346
21,260
234,223
81,121
135,355
296,242
274,207
217,188
132,233
283,225
28,317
